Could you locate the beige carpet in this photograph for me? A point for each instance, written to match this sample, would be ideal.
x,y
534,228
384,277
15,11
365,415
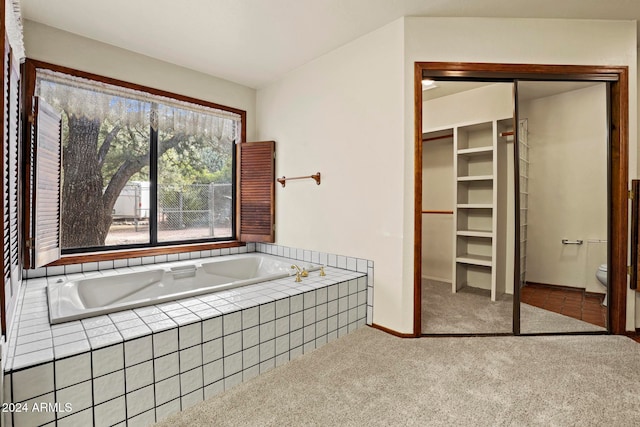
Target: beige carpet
x,y
370,378
471,311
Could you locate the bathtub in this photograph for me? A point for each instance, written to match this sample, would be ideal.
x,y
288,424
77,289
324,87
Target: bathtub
x,y
107,293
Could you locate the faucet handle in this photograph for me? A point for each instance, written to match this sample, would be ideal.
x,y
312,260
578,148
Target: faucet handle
x,y
322,273
304,272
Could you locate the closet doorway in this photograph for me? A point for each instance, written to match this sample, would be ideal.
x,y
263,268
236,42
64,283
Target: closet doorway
x,y
485,213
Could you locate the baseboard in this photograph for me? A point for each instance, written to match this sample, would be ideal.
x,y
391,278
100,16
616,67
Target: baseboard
x,y
437,279
554,286
392,332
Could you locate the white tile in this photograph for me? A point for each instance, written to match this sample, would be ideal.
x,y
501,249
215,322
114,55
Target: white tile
x,y
309,333
138,376
166,366
282,307
250,357
295,338
138,350
190,335
170,408
33,358
267,331
281,359
167,390
71,348
140,401
108,386
267,365
78,396
143,420
296,321
267,312
73,370
101,330
32,418
32,382
232,343
309,316
232,322
190,358
232,381
66,328
251,372
213,389
94,322
80,419
212,329
190,381
165,342
108,359
212,350
135,332
267,350
105,340
232,364
110,413
309,299
250,317
296,303
282,344
192,398
213,372
250,337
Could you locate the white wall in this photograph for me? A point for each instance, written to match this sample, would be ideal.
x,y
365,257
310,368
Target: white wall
x,y
342,115
437,194
350,115
493,40
70,50
567,186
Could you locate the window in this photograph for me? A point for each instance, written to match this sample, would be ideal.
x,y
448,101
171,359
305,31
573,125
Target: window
x,y
142,168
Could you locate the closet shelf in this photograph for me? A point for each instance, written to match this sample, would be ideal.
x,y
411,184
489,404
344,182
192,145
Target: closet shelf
x,y
475,233
476,151
476,178
481,260
475,206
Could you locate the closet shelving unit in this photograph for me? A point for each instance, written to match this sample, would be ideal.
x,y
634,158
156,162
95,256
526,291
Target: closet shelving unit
x,y
479,164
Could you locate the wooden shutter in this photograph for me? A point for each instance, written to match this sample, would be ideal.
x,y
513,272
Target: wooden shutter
x,y
14,137
256,187
45,234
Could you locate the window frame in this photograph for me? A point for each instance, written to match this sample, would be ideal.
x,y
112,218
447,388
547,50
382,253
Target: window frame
x,y
83,255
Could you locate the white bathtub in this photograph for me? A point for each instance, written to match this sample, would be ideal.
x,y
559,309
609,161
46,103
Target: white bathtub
x,y
108,293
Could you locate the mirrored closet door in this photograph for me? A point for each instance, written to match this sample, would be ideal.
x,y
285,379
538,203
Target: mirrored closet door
x,y
514,207
563,251
467,165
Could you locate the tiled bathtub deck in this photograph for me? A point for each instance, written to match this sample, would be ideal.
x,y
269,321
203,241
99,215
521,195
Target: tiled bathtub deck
x,y
138,366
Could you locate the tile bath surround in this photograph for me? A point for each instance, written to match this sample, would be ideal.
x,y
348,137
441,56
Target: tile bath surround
x,y
138,366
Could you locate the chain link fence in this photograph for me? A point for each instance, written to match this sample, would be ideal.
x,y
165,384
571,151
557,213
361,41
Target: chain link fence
x,y
195,206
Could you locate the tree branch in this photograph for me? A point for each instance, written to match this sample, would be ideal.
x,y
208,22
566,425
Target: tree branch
x,y
129,168
106,145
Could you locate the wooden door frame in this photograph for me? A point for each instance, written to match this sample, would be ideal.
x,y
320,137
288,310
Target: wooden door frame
x,y
618,77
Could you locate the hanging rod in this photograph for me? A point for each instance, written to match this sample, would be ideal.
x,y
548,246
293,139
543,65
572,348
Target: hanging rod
x,y
438,212
433,138
315,177
572,242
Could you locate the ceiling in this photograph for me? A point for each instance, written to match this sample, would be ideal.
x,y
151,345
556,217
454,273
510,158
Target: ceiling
x,y
255,42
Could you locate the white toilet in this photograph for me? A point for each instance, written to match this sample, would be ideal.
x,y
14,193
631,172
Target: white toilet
x,y
601,275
